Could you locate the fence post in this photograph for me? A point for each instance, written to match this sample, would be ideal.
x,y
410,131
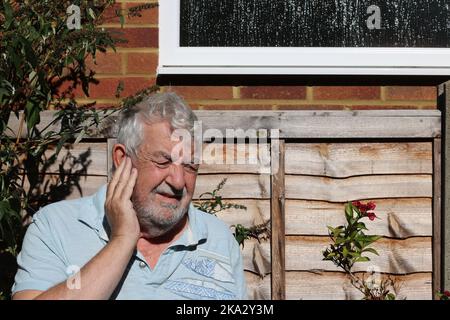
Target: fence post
x,y
277,210
444,105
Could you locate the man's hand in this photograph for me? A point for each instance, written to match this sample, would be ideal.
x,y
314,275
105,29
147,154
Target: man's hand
x,y
118,206
100,276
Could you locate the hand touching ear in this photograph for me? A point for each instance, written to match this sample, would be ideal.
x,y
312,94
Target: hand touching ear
x,y
118,206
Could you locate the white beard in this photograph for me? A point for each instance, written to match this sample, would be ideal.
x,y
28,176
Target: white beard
x,y
156,219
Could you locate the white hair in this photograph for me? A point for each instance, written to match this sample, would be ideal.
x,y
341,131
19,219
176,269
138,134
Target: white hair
x,y
155,108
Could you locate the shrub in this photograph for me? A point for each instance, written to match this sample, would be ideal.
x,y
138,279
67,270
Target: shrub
x,y
351,245
42,62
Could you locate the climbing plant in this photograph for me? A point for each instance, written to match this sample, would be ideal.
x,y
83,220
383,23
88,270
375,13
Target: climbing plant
x,y
43,60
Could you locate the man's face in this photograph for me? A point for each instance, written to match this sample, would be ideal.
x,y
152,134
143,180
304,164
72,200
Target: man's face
x,y
164,186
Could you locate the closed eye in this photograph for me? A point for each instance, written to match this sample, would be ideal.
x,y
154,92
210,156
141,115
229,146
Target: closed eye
x,y
191,167
162,164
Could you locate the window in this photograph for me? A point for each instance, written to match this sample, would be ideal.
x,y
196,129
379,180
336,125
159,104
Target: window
x,y
344,37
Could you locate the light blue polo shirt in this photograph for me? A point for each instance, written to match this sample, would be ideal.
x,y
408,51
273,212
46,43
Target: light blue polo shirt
x,y
204,263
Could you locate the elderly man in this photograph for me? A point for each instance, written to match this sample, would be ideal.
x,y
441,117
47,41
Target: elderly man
x,y
139,237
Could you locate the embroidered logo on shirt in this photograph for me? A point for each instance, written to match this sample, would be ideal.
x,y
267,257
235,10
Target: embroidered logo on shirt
x,y
210,268
190,287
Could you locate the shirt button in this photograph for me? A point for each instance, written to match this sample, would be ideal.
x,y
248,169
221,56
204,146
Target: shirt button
x,y
142,264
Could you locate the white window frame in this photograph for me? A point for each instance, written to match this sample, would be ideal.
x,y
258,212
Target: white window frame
x,y
174,59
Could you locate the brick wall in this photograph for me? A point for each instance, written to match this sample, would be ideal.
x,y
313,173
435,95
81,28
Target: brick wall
x,y
135,64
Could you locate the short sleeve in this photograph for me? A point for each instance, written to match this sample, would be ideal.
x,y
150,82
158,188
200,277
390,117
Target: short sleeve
x,y
39,266
238,270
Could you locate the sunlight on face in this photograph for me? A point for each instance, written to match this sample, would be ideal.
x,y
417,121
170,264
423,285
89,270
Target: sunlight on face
x,y
164,188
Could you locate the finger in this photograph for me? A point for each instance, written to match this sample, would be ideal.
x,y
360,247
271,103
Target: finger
x,y
123,179
115,179
128,190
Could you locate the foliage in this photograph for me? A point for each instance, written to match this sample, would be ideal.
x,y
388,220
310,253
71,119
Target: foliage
x,y
258,232
351,245
214,204
42,63
443,295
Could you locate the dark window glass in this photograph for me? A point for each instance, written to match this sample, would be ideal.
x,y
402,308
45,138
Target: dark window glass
x,y
315,23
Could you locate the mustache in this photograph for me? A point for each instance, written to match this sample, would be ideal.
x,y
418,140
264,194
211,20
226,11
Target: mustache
x,y
166,189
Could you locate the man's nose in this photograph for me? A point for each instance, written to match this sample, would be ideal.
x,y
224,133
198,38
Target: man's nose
x,y
176,177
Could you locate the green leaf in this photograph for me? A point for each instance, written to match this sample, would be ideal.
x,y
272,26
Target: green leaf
x,y
372,238
4,208
79,137
361,226
122,20
362,259
355,254
91,13
8,15
390,296
349,212
345,252
32,115
371,250
340,240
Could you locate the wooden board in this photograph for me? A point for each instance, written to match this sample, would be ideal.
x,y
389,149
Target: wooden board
x,y
332,286
73,157
312,124
444,106
97,156
302,285
237,185
88,185
340,160
341,190
244,186
398,218
278,216
304,253
437,216
330,124
235,158
258,211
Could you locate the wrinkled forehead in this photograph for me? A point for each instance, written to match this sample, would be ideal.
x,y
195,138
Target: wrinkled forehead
x,y
160,138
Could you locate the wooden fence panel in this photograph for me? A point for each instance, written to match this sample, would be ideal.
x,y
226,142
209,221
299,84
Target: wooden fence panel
x,y
341,160
319,179
302,285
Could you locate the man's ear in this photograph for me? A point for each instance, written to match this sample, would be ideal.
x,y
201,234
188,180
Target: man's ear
x,y
118,154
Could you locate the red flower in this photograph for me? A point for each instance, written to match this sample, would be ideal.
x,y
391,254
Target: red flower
x,y
371,206
357,204
371,215
447,293
363,208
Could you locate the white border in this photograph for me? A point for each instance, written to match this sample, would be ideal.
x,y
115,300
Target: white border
x,y
174,59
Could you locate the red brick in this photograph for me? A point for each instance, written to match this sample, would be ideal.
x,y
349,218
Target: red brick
x,y
273,92
110,62
71,92
112,105
136,37
203,92
110,15
347,92
411,93
148,16
145,63
107,87
310,107
232,107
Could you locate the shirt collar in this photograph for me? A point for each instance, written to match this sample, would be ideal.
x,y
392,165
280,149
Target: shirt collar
x,y
195,232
